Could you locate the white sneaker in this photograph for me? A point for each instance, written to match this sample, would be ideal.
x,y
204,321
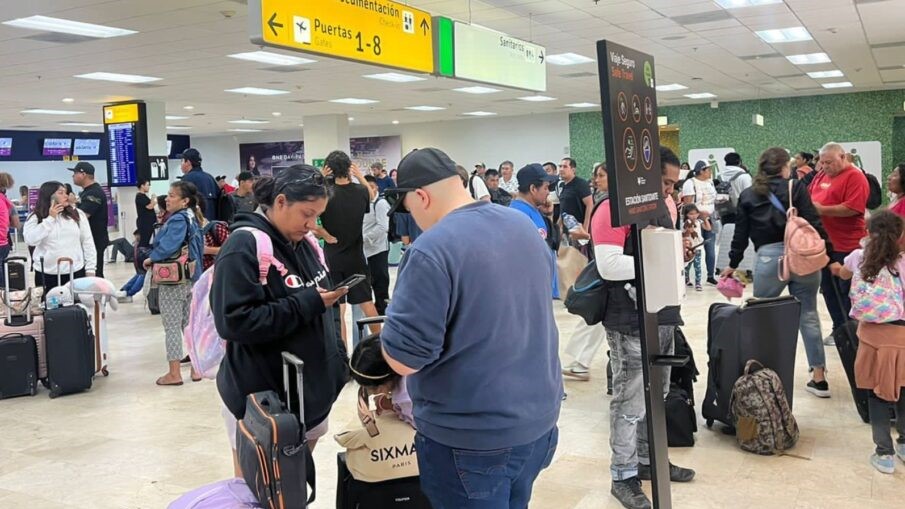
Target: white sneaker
x,y
577,372
829,341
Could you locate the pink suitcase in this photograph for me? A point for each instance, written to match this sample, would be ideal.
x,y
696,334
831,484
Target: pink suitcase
x,y
26,324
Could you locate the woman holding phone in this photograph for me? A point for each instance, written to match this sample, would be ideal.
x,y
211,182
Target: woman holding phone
x,y
57,230
291,309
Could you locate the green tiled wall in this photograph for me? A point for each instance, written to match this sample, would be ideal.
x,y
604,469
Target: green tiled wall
x,y
797,123
898,140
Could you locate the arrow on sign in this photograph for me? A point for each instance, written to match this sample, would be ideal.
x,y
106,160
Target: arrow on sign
x,y
272,23
425,26
541,56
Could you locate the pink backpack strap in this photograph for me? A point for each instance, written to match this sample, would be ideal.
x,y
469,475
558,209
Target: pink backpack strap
x,y
317,248
266,259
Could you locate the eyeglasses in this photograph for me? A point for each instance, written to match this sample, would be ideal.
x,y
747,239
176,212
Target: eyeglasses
x,y
314,179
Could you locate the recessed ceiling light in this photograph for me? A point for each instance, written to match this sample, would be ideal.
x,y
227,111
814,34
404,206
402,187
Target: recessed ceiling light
x,y
266,57
537,98
301,125
42,111
791,34
425,108
351,119
65,26
237,130
395,77
256,91
277,114
176,117
68,100
568,59
733,4
79,124
826,74
581,105
477,90
177,127
353,100
479,113
247,121
188,107
701,95
809,58
671,87
395,122
840,84
117,77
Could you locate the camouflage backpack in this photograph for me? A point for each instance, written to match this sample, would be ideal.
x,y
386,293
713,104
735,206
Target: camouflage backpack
x,y
763,421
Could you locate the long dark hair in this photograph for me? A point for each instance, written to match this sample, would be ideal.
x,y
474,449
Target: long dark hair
x,y
369,368
300,182
770,165
188,191
885,231
45,194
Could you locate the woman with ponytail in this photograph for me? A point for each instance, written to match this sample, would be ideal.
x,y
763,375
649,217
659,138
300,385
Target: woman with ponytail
x,y
761,217
181,231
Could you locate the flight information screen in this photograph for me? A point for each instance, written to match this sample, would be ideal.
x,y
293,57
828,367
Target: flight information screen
x,y
122,154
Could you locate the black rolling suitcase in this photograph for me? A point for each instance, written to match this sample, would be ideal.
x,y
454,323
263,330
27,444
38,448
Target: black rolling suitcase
x,y
272,448
846,339
762,329
18,366
402,493
70,345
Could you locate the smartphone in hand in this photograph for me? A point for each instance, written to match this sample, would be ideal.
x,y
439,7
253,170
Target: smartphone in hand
x,y
350,282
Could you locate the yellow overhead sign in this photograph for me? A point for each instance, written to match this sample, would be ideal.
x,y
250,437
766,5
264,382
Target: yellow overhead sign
x,y
379,32
121,113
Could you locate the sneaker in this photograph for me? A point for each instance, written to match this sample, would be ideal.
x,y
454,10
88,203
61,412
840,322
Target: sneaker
x,y
698,288
630,494
900,451
711,281
829,341
688,283
885,464
576,371
819,389
676,474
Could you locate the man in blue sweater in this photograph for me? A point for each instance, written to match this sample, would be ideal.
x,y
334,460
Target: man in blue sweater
x,y
205,182
485,381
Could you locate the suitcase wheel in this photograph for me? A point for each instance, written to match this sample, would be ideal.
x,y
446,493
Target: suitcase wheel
x,y
53,395
709,423
105,371
45,383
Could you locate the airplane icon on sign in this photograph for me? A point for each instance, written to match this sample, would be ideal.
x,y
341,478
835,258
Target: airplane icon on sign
x,y
302,26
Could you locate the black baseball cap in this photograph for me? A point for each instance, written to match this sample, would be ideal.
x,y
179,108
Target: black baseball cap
x,y
192,155
533,173
83,167
416,170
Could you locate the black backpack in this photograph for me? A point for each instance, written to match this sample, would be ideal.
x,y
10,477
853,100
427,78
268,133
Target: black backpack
x,y
226,208
681,420
727,209
876,191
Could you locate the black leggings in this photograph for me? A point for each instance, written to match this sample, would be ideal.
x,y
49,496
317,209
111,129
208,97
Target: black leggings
x,y
51,279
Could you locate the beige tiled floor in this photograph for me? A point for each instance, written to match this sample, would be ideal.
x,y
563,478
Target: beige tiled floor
x,y
130,444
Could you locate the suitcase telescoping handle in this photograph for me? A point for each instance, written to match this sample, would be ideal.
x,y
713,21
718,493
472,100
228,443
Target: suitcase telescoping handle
x,y
364,322
71,263
290,360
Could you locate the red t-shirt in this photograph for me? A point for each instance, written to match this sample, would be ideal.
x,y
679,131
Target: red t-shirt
x,y
602,230
898,207
849,188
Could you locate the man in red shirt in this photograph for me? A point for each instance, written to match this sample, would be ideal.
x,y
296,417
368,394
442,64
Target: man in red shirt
x,y
839,193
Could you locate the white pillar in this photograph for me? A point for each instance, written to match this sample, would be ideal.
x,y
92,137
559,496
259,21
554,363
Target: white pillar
x,y
324,134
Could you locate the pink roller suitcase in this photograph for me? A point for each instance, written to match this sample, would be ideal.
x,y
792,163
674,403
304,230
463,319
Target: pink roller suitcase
x,y
27,324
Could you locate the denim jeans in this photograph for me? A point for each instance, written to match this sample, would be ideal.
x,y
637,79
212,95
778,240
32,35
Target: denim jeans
x,y
628,423
803,288
839,312
710,246
498,479
696,263
879,422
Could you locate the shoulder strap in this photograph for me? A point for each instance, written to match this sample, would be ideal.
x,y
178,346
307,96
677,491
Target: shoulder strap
x,y
776,203
737,175
266,259
791,205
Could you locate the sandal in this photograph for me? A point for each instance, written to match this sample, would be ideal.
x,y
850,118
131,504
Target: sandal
x,y
161,383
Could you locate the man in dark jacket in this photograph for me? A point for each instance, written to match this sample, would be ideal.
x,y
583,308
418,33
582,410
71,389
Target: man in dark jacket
x,y
205,182
613,249
93,202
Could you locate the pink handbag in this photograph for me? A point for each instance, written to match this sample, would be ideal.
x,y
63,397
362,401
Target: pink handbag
x,y
730,287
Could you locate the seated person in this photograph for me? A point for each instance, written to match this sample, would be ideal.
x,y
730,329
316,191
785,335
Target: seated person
x,y
121,245
383,447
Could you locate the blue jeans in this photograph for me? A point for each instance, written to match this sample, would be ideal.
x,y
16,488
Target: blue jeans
x,y
803,288
499,479
710,246
837,301
696,263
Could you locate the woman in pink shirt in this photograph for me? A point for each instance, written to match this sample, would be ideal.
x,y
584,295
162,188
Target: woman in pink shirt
x,y
8,216
894,184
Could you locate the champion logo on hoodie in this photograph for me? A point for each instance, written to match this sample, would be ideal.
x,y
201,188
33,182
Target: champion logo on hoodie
x,y
293,281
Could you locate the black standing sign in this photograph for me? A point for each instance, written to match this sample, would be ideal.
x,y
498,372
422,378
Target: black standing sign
x,y
631,134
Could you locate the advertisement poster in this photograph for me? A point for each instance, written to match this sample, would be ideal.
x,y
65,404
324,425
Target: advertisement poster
x,y
711,155
867,155
260,158
386,150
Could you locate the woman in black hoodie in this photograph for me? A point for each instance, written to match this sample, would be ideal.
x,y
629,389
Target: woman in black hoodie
x,y
764,223
293,312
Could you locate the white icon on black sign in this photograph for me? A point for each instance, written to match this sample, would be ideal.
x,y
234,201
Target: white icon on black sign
x,y
636,108
648,110
622,106
647,149
408,22
629,149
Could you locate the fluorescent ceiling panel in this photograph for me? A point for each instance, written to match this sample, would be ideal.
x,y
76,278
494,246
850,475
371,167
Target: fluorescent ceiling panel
x,y
80,124
247,121
581,105
256,91
42,111
65,26
425,108
809,58
353,100
537,98
568,59
117,77
701,95
734,4
671,87
238,130
394,77
825,74
779,35
840,84
477,90
479,113
266,57
176,117
177,127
